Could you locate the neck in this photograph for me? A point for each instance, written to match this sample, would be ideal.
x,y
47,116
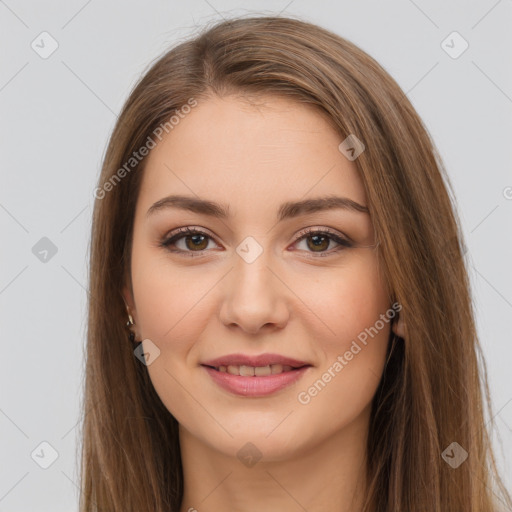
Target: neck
x,y
326,475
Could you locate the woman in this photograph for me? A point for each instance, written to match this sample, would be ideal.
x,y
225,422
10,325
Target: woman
x,y
280,315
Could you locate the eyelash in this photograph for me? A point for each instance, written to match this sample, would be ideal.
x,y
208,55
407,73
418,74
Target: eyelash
x,y
170,240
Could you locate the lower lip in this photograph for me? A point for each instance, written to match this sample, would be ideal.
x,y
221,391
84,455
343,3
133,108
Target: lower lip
x,y
255,386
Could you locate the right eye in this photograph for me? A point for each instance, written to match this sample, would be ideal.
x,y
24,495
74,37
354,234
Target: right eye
x,y
194,241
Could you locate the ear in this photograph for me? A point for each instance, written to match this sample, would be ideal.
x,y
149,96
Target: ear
x,y
129,302
399,328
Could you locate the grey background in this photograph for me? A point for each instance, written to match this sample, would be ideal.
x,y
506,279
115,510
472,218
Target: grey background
x,y
57,114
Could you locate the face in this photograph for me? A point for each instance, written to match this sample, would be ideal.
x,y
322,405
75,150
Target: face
x,y
288,300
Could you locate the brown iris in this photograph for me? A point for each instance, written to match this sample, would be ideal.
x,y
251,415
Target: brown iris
x,y
196,242
317,244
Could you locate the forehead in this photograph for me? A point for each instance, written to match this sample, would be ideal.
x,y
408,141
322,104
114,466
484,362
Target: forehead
x,y
250,154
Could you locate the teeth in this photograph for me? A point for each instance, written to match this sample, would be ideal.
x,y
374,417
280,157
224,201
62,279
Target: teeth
x,y
262,371
276,368
258,371
247,371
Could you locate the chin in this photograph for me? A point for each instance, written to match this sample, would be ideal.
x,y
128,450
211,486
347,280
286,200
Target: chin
x,y
269,441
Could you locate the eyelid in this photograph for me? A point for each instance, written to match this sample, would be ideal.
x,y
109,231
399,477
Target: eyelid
x,y
336,236
319,229
195,230
182,232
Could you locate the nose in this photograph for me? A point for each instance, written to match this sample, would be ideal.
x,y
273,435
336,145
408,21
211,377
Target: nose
x,y
254,296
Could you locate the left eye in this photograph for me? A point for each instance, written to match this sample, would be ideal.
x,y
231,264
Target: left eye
x,y
321,240
317,241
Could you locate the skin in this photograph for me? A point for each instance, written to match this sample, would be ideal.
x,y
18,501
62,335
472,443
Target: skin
x,y
254,157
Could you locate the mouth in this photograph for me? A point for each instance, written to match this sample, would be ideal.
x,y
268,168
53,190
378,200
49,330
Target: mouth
x,y
255,376
255,371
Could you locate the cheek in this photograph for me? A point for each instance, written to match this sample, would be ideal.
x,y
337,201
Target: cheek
x,y
354,312
345,301
356,309
169,298
170,306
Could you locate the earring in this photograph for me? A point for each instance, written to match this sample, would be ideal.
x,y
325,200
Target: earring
x,y
129,324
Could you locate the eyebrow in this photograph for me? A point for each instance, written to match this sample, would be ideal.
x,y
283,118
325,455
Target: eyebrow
x,y
287,210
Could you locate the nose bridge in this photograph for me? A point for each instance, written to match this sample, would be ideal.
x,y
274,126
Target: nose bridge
x,y
252,275
254,296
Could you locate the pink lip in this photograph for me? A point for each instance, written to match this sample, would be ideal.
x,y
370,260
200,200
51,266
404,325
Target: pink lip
x,y
261,360
255,386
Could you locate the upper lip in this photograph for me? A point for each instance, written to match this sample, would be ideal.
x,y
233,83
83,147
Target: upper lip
x,y
260,360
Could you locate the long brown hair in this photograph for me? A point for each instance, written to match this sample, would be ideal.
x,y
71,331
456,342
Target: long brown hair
x,y
434,386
